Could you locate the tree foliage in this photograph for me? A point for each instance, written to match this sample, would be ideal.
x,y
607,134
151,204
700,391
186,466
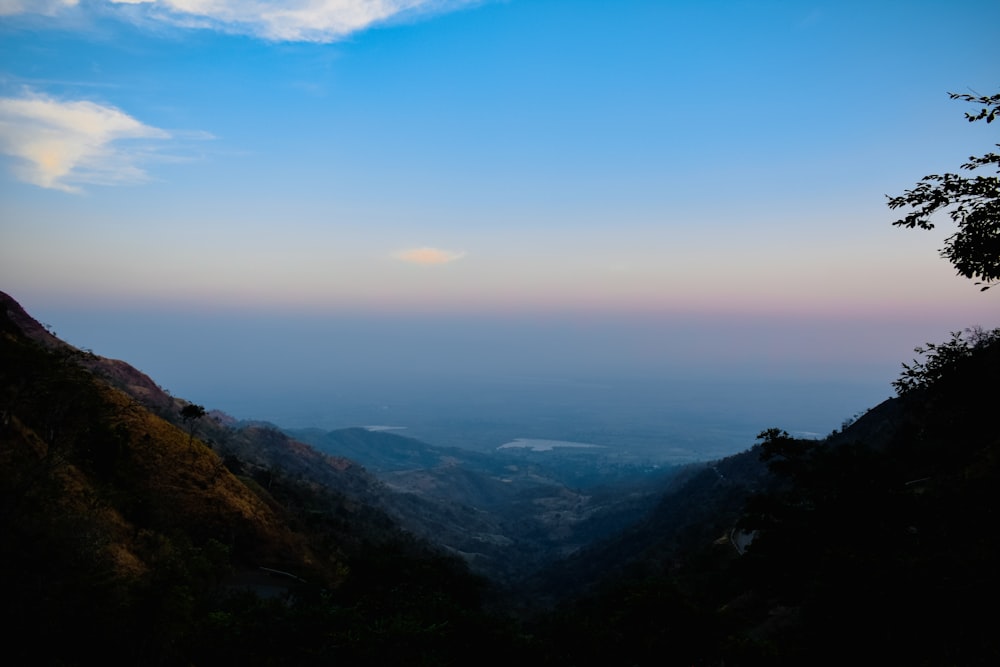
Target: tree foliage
x,y
941,359
971,201
190,414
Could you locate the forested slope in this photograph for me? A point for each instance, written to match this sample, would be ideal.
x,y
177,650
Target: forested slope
x,y
136,533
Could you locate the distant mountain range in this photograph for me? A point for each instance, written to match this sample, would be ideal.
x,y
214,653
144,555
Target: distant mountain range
x,y
141,529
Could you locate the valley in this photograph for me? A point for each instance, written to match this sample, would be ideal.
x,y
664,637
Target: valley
x,y
508,512
137,520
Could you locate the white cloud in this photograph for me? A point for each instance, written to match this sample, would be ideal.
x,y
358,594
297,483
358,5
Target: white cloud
x,y
61,145
45,7
286,20
428,256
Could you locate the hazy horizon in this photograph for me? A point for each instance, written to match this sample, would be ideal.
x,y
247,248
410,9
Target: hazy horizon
x,y
686,387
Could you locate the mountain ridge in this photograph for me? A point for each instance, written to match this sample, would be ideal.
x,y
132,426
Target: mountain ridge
x,y
178,539
131,533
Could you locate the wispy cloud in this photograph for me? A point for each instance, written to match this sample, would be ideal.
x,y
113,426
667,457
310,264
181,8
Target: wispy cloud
x,y
45,7
428,256
63,144
278,20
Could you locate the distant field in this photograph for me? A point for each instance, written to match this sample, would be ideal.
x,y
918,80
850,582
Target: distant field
x,y
544,445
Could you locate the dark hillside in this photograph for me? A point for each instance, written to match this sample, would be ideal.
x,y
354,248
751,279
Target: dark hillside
x,y
874,544
138,529
698,509
126,539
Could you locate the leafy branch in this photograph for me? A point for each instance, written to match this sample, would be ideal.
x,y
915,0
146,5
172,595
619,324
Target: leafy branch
x,y
940,359
972,203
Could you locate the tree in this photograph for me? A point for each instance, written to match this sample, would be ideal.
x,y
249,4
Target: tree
x,y
972,202
190,414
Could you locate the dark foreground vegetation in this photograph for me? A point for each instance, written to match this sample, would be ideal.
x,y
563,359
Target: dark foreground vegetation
x,y
135,529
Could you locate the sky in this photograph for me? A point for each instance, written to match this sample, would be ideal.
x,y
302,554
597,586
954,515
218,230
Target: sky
x,y
256,200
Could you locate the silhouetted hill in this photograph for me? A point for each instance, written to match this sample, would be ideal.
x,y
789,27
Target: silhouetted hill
x,y
384,451
873,544
137,529
127,539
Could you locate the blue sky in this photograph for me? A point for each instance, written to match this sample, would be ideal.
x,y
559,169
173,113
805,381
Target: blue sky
x,y
720,164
